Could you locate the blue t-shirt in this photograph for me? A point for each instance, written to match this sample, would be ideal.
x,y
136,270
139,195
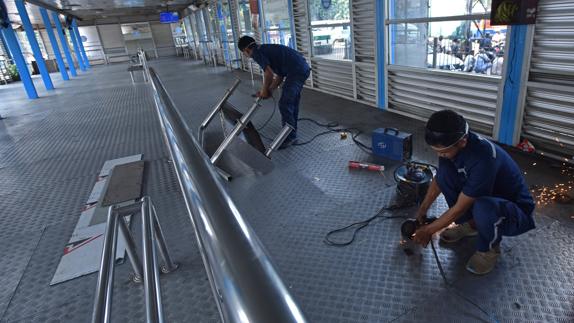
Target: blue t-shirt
x,y
283,60
487,170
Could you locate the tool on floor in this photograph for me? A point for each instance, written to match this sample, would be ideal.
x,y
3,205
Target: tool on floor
x,y
368,166
392,144
412,181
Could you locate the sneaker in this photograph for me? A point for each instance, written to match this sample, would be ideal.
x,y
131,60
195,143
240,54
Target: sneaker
x,y
482,263
288,143
458,232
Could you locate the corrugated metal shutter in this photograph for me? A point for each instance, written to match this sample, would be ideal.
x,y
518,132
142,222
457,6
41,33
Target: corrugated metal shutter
x,y
300,24
163,39
549,112
364,44
233,11
418,93
333,76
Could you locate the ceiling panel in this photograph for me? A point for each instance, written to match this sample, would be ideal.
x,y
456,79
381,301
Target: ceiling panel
x,y
91,10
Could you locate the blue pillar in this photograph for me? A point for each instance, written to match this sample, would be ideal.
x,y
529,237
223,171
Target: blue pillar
x,y
512,84
76,48
16,52
55,47
381,59
34,44
64,43
80,43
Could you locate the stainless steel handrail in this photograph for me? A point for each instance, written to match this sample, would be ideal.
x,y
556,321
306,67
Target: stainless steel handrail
x,y
245,283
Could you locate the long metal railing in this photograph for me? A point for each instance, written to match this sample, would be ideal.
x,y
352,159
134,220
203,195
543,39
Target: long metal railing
x,y
245,283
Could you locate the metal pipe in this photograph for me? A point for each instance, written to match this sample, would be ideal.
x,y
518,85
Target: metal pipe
x,y
111,266
213,112
169,265
131,249
245,283
285,131
148,280
241,124
220,104
157,286
99,312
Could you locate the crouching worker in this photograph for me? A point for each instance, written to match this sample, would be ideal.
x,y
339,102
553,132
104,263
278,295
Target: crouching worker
x,y
280,64
483,187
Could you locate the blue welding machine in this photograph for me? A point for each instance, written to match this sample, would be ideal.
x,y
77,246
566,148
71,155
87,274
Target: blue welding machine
x,y
392,144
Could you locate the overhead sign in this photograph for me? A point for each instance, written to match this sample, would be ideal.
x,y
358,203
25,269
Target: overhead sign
x,y
513,12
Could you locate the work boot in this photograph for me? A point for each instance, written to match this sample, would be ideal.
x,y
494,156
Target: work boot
x,y
458,232
482,263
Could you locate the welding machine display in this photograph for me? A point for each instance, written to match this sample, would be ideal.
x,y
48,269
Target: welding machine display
x,y
392,144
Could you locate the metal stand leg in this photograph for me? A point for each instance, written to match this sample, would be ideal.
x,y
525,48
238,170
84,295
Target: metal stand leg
x,y
148,263
241,123
131,250
213,112
287,129
168,265
103,301
132,76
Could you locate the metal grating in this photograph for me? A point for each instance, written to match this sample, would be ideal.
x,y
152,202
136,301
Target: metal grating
x,y
301,28
418,93
333,76
549,113
364,42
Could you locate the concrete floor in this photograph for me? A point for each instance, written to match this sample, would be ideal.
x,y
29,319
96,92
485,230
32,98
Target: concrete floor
x,y
51,150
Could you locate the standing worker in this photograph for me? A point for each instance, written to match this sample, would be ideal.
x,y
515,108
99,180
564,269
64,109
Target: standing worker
x,y
280,64
483,187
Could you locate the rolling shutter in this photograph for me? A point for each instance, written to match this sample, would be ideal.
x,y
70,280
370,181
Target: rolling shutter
x,y
364,40
418,93
549,111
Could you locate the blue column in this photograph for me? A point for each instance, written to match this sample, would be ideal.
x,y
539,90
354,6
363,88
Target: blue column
x,y
76,48
16,52
34,44
64,43
381,59
512,84
80,43
55,46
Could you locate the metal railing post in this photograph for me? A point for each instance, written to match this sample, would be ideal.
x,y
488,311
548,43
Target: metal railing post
x,y
148,263
101,311
131,250
241,124
168,265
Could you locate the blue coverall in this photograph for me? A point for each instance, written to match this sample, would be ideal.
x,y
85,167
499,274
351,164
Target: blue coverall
x,y
287,63
503,204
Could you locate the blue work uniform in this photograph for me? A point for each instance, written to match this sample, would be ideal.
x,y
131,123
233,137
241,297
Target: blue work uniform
x,y
503,204
289,64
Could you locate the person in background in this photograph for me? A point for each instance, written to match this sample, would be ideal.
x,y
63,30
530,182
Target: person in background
x,y
280,65
483,187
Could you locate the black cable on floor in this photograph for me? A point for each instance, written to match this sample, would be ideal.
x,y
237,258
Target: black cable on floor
x,y
453,289
358,226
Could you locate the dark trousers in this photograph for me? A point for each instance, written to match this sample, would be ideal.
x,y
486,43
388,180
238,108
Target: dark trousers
x,y
494,216
289,102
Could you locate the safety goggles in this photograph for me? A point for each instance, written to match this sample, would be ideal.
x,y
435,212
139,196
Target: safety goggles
x,y
434,137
